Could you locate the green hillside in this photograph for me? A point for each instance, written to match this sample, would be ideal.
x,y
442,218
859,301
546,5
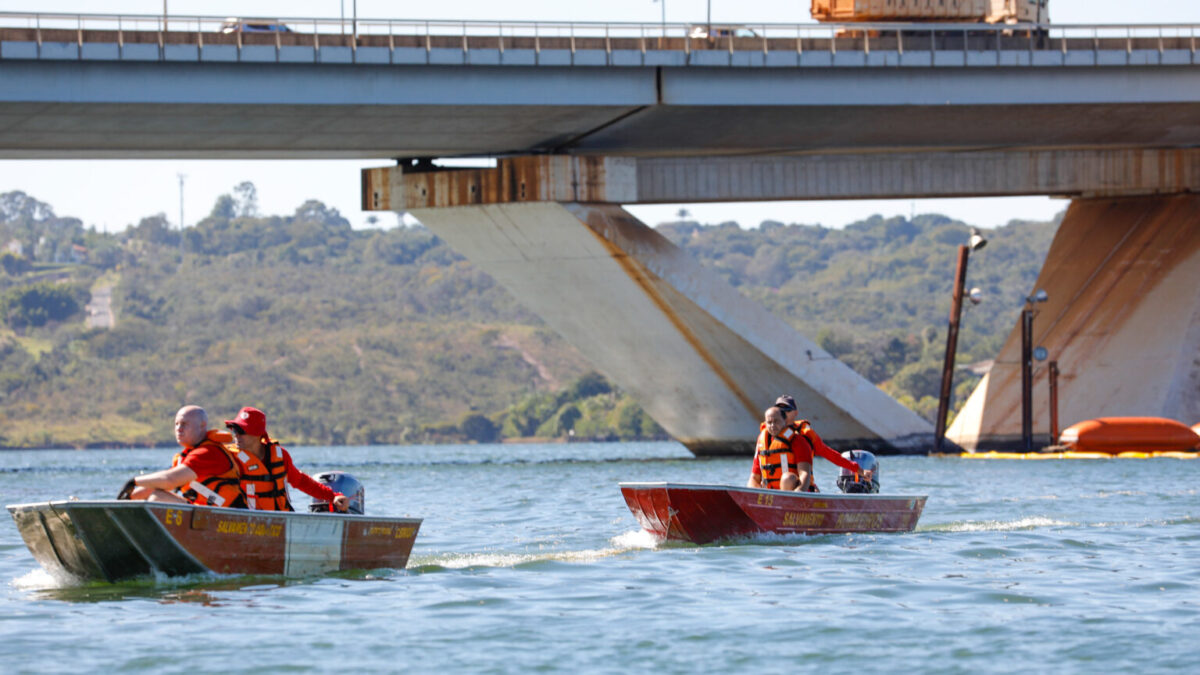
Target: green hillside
x,y
388,336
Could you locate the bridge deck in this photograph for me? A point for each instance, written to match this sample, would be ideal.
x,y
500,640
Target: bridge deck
x,y
141,37
130,87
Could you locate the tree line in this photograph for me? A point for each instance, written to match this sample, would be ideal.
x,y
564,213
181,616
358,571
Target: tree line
x,y
386,335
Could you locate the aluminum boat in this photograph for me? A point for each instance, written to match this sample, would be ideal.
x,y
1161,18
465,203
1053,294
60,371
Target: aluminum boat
x,y
112,540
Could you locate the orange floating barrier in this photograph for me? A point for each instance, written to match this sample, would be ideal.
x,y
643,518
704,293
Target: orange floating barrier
x,y
1072,454
1117,435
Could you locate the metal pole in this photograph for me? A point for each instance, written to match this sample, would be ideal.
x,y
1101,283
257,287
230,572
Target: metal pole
x,y
1027,377
1053,402
708,25
355,24
960,278
164,15
181,177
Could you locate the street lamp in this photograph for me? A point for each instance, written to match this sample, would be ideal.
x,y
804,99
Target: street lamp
x,y
1052,375
1027,356
975,243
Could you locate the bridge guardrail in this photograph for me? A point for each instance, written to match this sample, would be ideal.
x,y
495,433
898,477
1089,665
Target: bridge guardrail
x,y
903,39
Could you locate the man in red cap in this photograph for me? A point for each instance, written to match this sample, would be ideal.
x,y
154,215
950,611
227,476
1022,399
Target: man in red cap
x,y
267,468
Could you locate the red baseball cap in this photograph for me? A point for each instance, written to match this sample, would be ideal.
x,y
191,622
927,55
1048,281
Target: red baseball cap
x,y
251,420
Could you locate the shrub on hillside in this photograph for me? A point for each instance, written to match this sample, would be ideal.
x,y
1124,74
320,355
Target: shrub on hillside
x,y
479,429
13,264
39,303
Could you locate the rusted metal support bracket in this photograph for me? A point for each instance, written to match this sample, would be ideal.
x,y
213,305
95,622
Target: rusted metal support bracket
x,y
557,178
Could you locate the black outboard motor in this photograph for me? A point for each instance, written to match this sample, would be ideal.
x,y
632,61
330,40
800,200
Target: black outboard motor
x,y
344,483
867,462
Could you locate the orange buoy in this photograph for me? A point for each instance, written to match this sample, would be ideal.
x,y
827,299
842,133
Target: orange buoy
x,y
1114,435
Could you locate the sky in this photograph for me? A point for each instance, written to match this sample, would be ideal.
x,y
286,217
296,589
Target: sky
x,y
111,194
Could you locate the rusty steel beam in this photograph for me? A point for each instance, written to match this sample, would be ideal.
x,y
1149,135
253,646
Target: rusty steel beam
x,y
983,173
545,178
629,180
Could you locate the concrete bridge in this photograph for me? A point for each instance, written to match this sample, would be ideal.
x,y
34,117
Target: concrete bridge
x,y
586,117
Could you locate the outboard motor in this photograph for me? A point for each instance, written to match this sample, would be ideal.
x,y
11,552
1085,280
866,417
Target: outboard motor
x,y
344,483
867,462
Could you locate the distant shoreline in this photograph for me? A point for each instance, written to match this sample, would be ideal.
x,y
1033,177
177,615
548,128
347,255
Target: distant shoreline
x,y
527,440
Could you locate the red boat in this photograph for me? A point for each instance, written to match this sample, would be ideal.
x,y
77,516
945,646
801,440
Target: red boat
x,y
112,540
703,513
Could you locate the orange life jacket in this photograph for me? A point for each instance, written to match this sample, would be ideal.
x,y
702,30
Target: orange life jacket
x,y
775,456
264,481
220,490
808,448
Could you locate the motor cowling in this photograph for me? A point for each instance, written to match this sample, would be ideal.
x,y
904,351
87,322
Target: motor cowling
x,y
866,461
342,482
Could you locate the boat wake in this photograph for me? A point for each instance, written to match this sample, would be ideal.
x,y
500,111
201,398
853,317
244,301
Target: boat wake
x,y
1032,523
622,543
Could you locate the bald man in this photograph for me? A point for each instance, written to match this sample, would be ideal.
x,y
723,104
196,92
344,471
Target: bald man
x,y
202,473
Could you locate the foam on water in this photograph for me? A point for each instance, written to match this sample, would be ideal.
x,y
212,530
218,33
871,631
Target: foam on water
x,y
39,579
477,560
634,539
1031,523
627,541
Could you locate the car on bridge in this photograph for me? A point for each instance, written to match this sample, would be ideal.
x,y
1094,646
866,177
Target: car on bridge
x,y
236,25
701,31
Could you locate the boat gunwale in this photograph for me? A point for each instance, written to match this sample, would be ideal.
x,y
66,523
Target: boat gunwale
x,y
143,504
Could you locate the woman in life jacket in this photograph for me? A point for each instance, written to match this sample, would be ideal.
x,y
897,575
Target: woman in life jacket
x,y
812,445
783,455
776,455
267,468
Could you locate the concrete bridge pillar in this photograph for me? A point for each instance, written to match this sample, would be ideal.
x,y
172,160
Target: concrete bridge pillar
x,y
702,360
1122,321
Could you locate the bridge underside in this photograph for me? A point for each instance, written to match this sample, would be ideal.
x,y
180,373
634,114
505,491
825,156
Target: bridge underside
x,y
121,109
1122,321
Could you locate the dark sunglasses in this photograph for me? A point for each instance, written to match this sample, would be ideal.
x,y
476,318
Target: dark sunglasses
x,y
236,429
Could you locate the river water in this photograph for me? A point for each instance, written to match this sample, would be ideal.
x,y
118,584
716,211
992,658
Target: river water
x,y
528,559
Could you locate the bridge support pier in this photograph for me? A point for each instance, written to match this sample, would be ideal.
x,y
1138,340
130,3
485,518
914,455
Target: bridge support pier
x,y
702,361
1122,321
